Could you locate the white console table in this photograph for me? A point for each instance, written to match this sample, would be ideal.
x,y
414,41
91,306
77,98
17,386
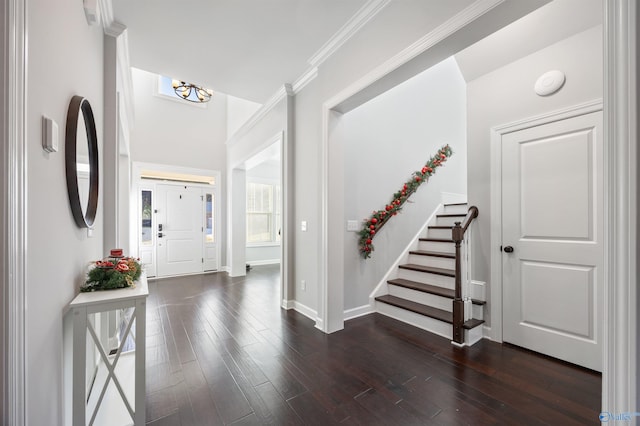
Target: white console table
x,y
109,356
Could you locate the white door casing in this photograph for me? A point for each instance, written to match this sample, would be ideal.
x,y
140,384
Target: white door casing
x,y
552,216
180,230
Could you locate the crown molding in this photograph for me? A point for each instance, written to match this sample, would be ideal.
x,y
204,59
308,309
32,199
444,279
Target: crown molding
x,y
348,30
106,13
307,77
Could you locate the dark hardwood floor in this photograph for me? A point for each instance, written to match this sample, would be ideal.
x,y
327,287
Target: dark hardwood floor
x,y
221,351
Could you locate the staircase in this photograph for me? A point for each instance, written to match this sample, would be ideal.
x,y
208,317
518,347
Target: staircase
x,y
421,289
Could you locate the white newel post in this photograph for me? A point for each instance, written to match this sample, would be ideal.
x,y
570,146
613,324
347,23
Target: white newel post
x,y
116,395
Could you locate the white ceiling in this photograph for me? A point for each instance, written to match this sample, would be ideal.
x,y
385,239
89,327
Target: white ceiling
x,y
245,48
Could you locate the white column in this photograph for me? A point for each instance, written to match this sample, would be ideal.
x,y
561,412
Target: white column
x,y
237,219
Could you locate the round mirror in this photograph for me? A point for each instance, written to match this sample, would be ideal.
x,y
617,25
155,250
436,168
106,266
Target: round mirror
x,y
81,158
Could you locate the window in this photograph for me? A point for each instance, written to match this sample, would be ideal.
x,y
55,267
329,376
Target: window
x,y
263,213
147,218
209,218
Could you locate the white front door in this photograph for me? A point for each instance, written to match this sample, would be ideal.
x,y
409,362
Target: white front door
x,y
179,230
552,236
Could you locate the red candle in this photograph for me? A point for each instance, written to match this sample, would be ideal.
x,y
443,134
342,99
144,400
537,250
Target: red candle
x,y
116,252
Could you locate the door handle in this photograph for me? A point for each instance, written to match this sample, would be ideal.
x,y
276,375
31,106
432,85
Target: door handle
x,y
159,227
159,234
508,249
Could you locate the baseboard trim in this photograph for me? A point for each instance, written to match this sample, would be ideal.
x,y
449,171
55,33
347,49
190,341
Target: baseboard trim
x,y
300,308
358,312
263,262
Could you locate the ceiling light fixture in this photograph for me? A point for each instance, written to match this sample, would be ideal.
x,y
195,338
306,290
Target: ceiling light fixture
x,y
184,90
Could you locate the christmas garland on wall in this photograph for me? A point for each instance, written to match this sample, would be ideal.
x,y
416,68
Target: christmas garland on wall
x,y
378,218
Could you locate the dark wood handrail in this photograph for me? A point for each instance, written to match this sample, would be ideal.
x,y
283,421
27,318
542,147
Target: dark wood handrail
x,y
471,214
458,304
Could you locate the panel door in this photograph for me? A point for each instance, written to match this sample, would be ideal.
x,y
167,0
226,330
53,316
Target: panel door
x,y
179,230
552,210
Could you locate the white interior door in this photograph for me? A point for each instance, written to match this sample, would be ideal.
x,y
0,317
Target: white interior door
x,y
179,230
552,234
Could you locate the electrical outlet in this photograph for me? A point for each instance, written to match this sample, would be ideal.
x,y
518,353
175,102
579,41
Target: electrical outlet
x,y
303,284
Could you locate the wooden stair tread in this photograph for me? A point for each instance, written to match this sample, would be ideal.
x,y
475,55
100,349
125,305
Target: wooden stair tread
x,y
437,240
456,204
425,288
440,227
428,288
451,215
433,254
472,323
418,308
429,269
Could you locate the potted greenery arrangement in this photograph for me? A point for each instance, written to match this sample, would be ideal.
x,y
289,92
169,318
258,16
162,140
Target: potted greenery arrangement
x,y
113,272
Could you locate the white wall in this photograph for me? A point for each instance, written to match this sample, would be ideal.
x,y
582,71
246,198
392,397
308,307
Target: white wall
x,y
65,58
174,132
385,141
238,112
506,95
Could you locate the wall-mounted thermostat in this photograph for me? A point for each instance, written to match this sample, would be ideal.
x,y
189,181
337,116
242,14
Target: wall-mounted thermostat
x,y
49,135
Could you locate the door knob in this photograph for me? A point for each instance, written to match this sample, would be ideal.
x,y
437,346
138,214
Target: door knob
x,y
508,249
159,234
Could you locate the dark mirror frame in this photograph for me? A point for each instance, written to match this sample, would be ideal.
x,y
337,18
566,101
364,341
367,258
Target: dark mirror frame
x,y
84,216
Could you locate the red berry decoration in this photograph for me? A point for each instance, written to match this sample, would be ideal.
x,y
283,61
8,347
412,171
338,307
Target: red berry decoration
x,y
405,187
389,207
443,156
418,178
424,170
372,232
374,220
369,241
372,227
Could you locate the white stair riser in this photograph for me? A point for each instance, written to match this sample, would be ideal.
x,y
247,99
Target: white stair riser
x,y
436,246
427,278
448,221
473,336
478,311
432,325
462,209
428,299
436,262
439,233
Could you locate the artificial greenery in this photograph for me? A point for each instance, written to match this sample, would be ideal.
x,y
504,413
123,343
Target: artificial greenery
x,y
112,273
379,217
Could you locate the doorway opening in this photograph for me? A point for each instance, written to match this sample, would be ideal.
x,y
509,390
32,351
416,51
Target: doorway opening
x,y
177,213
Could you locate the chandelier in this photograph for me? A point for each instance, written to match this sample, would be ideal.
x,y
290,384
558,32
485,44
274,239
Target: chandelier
x,y
184,90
